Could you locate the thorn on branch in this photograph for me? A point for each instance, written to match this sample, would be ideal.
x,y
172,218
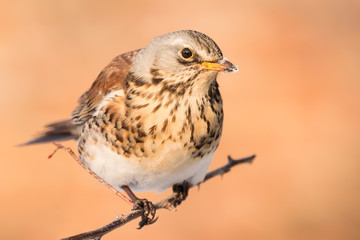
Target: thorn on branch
x,y
53,153
242,160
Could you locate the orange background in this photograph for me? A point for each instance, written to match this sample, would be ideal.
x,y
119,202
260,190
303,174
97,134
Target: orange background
x,y
295,102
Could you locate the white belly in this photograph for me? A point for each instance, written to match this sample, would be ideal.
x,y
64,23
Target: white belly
x,y
171,166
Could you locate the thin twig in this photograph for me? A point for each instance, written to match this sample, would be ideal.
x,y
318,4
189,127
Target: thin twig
x,y
71,152
231,163
166,203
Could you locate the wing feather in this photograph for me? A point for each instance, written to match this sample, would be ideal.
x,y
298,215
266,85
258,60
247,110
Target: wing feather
x,y
111,78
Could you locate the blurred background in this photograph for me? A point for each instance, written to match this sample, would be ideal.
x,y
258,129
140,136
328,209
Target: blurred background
x,y
295,102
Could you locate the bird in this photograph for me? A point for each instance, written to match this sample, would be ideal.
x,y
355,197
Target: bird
x,y
153,117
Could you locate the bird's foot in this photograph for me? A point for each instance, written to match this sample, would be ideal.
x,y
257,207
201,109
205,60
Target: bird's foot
x,y
149,212
182,191
148,208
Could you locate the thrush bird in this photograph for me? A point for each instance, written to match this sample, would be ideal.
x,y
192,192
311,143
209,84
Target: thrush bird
x,y
153,117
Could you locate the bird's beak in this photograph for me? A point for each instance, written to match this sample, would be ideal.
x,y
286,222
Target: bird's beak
x,y
221,66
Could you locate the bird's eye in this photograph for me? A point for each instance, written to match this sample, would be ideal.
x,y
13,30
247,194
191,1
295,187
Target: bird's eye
x,y
186,53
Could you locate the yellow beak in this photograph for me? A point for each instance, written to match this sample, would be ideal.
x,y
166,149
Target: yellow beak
x,y
220,66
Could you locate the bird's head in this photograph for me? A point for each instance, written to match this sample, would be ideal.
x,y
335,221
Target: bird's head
x,y
178,57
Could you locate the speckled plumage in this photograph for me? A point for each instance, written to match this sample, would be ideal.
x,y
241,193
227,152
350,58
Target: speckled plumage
x,y
153,118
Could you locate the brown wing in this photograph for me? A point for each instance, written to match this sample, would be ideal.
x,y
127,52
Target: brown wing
x,y
111,78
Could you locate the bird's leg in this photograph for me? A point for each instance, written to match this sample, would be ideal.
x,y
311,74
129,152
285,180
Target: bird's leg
x,y
182,190
142,204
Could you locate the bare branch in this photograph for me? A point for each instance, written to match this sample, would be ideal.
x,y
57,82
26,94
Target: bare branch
x,y
166,203
231,163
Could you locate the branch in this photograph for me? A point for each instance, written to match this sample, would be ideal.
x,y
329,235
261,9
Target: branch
x,y
166,203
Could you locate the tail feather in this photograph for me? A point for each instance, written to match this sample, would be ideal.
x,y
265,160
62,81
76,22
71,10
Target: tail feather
x,y
58,131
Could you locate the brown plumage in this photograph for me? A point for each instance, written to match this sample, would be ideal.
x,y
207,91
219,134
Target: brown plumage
x,y
111,78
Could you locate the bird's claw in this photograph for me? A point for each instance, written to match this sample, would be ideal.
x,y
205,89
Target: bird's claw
x,y
149,212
